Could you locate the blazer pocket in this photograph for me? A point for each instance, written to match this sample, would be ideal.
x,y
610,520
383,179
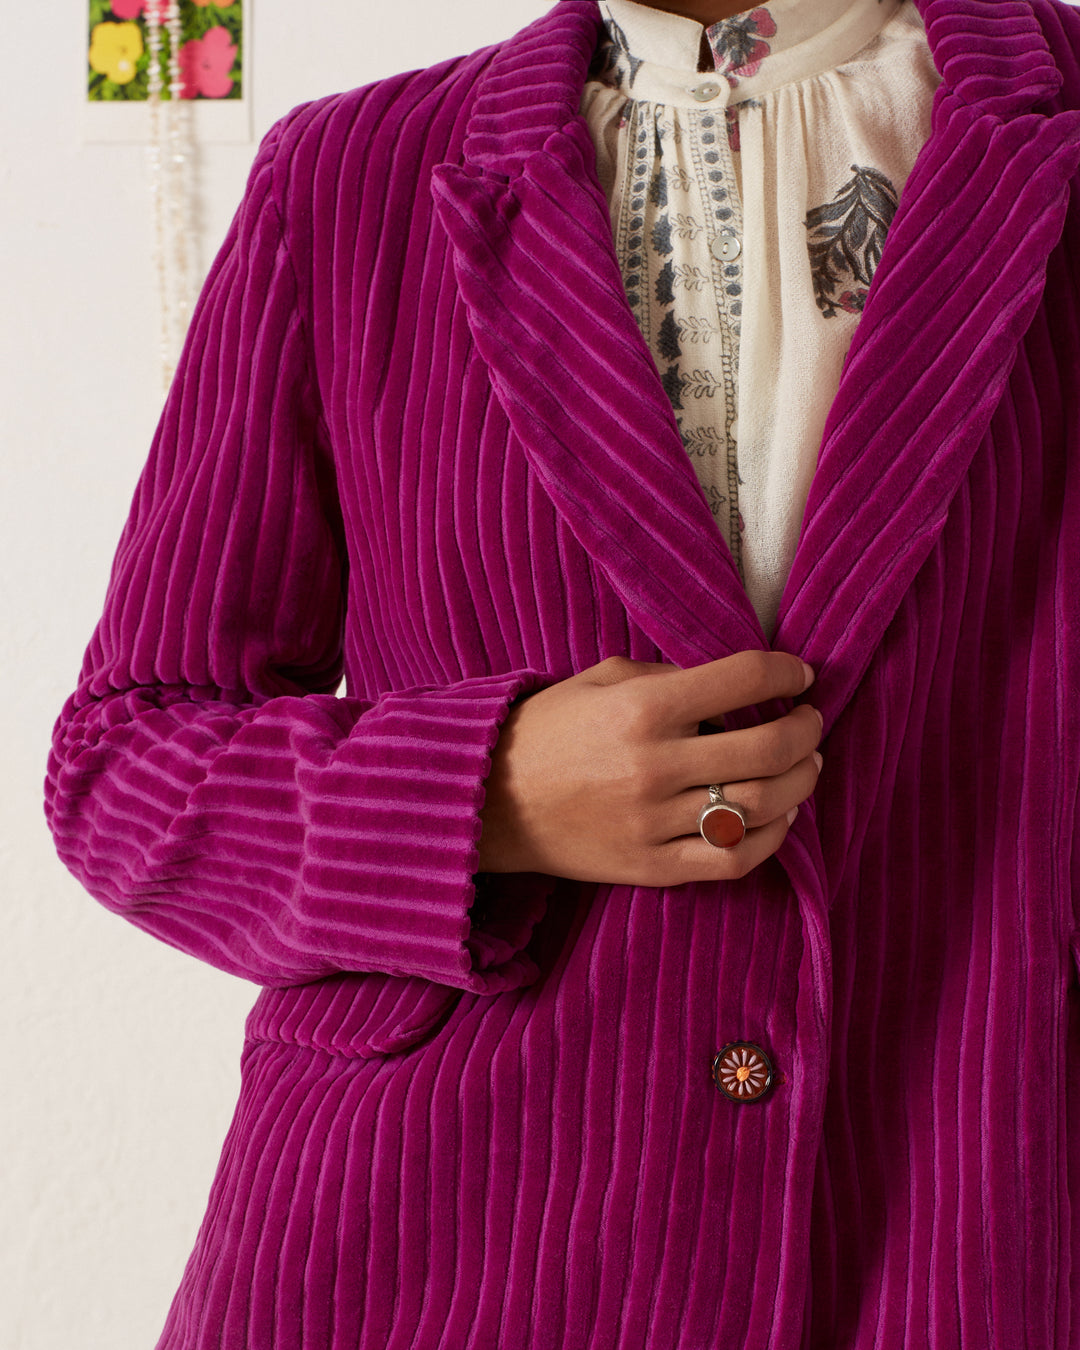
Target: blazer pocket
x,y
361,1016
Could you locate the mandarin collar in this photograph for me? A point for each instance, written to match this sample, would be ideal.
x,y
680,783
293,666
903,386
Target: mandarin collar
x,y
655,54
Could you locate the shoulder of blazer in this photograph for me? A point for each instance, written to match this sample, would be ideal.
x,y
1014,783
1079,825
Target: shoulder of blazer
x,y
405,120
418,118
336,162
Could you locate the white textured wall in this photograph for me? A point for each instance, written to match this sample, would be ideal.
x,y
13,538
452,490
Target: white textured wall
x,y
119,1056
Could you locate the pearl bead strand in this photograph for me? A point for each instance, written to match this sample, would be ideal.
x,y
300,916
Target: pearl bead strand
x,y
169,160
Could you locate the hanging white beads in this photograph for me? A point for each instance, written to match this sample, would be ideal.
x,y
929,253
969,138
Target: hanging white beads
x,y
169,159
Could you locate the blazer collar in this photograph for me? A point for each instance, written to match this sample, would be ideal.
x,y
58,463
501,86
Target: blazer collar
x,y
990,53
529,228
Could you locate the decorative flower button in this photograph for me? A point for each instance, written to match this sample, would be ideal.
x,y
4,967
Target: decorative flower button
x,y
742,1071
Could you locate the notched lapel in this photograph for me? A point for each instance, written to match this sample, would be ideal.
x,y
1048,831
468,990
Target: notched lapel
x,y
537,271
958,284
547,308
959,281
961,276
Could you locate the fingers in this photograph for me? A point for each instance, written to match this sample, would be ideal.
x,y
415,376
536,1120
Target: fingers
x,y
690,858
769,805
762,800
600,777
764,751
698,693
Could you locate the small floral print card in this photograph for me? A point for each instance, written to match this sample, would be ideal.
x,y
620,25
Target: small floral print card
x,y
210,56
211,75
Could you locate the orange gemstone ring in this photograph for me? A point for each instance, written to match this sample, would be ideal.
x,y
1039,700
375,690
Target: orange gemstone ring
x,y
721,822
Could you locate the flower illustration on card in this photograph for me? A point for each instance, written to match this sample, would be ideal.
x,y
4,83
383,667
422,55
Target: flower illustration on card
x,y
205,64
208,35
135,9
115,49
739,44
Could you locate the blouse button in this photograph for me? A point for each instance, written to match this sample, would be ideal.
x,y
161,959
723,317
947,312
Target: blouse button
x,y
742,1071
706,91
726,246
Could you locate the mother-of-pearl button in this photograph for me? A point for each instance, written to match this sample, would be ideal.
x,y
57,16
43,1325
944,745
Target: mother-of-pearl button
x,y
726,246
705,91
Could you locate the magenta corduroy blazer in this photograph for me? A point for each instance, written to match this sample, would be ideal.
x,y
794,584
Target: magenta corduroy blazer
x,y
418,438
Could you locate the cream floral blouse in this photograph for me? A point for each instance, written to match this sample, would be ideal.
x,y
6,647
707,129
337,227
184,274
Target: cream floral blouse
x,y
753,169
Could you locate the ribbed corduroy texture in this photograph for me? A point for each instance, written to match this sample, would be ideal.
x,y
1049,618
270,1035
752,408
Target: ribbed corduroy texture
x,y
463,1133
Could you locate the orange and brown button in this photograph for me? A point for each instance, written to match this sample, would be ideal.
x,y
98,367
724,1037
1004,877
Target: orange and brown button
x,y
743,1071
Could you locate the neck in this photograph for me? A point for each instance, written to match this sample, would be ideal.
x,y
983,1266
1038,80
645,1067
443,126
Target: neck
x,y
704,11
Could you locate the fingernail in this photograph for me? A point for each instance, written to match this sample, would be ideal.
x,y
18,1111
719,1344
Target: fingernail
x,y
821,720
792,814
808,675
818,760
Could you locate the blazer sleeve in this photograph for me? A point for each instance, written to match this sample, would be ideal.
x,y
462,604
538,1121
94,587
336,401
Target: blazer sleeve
x,y
205,781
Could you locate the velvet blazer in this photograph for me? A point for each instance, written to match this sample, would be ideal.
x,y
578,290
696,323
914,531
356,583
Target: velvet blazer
x,y
417,439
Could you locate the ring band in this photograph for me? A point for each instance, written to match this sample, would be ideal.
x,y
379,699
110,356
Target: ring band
x,y
720,822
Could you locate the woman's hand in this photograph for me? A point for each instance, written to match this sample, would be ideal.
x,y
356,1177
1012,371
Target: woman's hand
x,y
601,777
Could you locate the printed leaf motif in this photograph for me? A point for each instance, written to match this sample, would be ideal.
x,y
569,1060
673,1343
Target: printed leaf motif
x,y
667,338
702,384
738,44
845,240
658,192
661,236
702,441
686,227
681,178
697,329
617,36
665,284
672,382
691,277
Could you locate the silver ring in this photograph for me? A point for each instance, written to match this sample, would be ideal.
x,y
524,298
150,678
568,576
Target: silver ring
x,y
720,822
